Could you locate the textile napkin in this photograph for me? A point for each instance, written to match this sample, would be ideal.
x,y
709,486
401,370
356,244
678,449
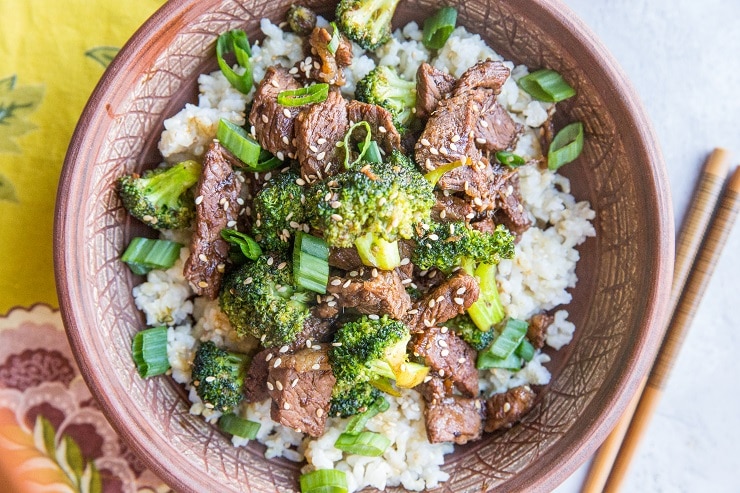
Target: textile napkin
x,y
53,437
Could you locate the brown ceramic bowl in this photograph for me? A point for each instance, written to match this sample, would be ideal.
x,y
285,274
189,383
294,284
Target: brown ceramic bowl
x,y
624,272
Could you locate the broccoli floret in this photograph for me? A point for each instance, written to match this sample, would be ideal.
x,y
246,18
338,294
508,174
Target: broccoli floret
x,y
218,376
445,245
161,197
398,160
384,87
464,327
371,209
301,19
366,22
487,309
370,352
277,206
259,299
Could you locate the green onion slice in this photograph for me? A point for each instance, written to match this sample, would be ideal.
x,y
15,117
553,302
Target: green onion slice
x,y
438,28
314,93
372,154
236,41
509,339
546,85
149,351
324,481
310,262
244,246
358,422
525,350
245,148
487,361
234,425
364,146
366,443
267,161
566,146
509,159
145,254
433,176
333,43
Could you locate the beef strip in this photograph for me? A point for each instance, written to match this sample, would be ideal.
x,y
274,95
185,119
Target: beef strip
x,y
496,130
449,356
445,301
318,128
300,385
537,330
345,258
328,67
255,385
273,122
450,208
432,86
217,190
503,410
488,74
381,124
509,200
454,419
380,294
317,328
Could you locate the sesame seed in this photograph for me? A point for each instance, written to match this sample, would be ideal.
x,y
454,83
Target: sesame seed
x,y
279,384
203,284
434,151
336,344
286,405
428,164
210,379
198,199
461,360
470,216
286,112
308,343
316,366
442,214
327,168
319,412
320,156
226,205
433,237
382,129
284,349
453,147
353,273
406,281
455,138
277,362
294,383
286,140
264,119
335,204
413,311
336,282
293,71
203,257
425,142
444,329
484,124
459,301
221,267
507,407
300,182
280,155
274,83
477,404
209,405
461,290
440,299
270,261
405,261
427,323
443,151
432,303
336,217
231,224
374,272
373,316
346,283
480,140
268,357
282,265
270,386
316,65
285,233
441,373
427,379
313,148
444,352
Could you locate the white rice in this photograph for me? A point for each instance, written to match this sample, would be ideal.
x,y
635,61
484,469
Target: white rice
x,y
536,279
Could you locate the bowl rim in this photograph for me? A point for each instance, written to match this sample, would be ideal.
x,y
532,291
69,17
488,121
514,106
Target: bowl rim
x,y
178,12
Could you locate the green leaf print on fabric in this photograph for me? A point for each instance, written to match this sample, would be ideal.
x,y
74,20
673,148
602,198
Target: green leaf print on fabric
x,y
16,104
102,54
7,190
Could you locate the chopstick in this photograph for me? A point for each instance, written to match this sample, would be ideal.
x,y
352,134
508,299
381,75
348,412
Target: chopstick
x,y
703,204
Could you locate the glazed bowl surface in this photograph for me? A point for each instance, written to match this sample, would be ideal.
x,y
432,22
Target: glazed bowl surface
x,y
624,272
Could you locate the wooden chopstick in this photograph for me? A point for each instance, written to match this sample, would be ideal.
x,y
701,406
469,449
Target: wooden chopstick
x,y
692,232
686,308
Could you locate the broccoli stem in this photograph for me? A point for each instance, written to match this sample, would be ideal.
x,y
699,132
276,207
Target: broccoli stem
x,y
487,310
377,252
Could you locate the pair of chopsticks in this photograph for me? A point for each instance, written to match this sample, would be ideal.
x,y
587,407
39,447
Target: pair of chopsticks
x,y
703,234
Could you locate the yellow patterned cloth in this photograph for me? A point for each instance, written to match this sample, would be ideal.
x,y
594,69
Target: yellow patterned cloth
x,y
52,435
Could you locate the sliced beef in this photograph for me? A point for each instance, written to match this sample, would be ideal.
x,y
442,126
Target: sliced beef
x,y
255,385
345,258
328,67
317,328
496,130
449,356
273,122
381,124
318,128
537,330
443,302
216,206
432,86
300,385
379,294
451,208
488,74
454,419
503,410
405,250
509,200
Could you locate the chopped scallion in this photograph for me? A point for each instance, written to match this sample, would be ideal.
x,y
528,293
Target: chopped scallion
x,y
235,139
372,154
234,425
364,145
310,262
546,85
149,351
324,481
566,146
358,422
525,350
434,175
243,246
314,93
333,43
145,254
486,361
236,41
509,339
509,159
366,443
438,28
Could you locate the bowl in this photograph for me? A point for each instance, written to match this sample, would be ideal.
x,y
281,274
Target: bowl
x,y
618,305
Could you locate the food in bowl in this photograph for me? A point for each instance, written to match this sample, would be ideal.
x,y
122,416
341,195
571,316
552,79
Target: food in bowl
x,y
367,277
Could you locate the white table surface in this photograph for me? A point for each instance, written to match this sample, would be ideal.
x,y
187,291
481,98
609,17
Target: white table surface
x,y
683,58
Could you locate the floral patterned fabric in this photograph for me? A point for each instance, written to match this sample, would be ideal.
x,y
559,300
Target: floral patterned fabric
x,y
53,437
